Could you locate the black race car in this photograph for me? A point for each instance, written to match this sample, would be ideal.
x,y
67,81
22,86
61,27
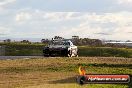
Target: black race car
x,y
61,48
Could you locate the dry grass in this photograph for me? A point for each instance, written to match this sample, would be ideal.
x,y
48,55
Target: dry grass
x,y
58,72
59,60
75,86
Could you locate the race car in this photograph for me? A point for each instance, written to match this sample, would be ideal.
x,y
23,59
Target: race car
x,y
60,48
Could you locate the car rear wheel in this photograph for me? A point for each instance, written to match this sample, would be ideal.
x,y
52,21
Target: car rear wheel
x,y
46,53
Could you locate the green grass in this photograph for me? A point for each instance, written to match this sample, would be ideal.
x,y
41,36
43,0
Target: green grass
x,y
104,51
22,49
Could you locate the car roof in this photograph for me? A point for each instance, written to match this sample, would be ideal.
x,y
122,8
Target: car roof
x,y
67,40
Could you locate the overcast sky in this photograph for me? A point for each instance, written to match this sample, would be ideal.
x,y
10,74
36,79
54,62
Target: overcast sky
x,y
102,19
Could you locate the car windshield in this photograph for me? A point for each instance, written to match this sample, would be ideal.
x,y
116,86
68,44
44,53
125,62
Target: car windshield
x,y
59,43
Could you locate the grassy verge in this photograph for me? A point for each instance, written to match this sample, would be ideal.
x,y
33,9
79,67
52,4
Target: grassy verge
x,y
59,72
23,49
104,51
20,49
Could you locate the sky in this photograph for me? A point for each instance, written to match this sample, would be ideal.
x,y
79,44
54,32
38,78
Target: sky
x,y
99,19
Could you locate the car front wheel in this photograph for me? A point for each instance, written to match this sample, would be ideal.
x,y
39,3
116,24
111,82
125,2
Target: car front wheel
x,y
69,53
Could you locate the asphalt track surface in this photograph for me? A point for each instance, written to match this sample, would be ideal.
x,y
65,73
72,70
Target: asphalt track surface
x,y
19,57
